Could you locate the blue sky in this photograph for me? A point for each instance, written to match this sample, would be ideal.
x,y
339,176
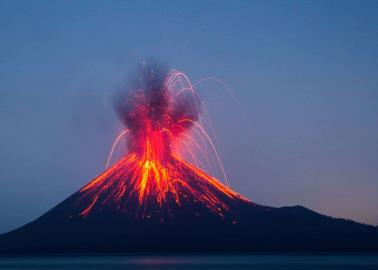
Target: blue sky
x,y
304,130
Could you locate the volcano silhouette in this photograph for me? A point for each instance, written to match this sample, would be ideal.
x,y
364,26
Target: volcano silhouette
x,y
191,226
153,200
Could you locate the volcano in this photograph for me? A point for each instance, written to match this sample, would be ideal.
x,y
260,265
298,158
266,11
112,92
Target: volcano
x,y
154,200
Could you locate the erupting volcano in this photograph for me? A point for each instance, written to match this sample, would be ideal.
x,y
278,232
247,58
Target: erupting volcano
x,y
157,197
158,116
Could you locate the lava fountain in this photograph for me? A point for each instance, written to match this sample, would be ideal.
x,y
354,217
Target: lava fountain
x,y
161,118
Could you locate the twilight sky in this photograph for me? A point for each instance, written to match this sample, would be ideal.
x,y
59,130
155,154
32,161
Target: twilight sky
x,y
303,131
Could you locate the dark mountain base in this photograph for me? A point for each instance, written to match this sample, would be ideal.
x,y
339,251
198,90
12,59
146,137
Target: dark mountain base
x,y
253,228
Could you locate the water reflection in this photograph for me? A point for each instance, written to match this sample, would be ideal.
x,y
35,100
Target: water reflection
x,y
224,262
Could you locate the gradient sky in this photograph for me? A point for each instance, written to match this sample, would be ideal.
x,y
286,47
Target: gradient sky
x,y
305,73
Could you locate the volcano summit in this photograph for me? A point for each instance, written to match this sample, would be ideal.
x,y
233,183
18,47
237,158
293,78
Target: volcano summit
x,y
152,199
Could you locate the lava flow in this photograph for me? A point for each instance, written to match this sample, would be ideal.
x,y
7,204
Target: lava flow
x,y
161,116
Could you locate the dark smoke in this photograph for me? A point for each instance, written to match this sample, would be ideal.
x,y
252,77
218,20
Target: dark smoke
x,y
147,102
145,97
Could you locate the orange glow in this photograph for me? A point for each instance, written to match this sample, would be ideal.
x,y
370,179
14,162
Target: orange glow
x,y
153,173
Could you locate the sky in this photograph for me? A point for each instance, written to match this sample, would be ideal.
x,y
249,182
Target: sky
x,y
301,130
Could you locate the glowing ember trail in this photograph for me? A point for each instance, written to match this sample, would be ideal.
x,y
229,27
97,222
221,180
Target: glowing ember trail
x,y
153,178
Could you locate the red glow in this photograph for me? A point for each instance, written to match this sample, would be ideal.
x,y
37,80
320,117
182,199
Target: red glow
x,y
153,172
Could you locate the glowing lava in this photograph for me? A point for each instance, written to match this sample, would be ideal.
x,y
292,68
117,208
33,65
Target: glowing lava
x,y
153,177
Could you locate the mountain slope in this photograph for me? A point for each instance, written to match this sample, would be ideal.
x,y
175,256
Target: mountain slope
x,y
254,228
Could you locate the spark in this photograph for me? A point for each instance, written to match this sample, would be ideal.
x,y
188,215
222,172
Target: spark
x,y
119,137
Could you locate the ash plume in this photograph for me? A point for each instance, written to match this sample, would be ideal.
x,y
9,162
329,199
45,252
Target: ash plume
x,y
156,102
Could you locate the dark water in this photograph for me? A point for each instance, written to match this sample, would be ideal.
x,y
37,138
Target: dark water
x,y
224,262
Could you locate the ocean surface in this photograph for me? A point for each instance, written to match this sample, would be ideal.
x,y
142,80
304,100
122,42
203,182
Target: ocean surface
x,y
173,262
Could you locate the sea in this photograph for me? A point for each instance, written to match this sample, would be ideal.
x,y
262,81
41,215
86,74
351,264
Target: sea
x,y
203,262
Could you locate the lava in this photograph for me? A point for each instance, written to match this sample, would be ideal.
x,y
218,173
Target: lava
x,y
161,115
